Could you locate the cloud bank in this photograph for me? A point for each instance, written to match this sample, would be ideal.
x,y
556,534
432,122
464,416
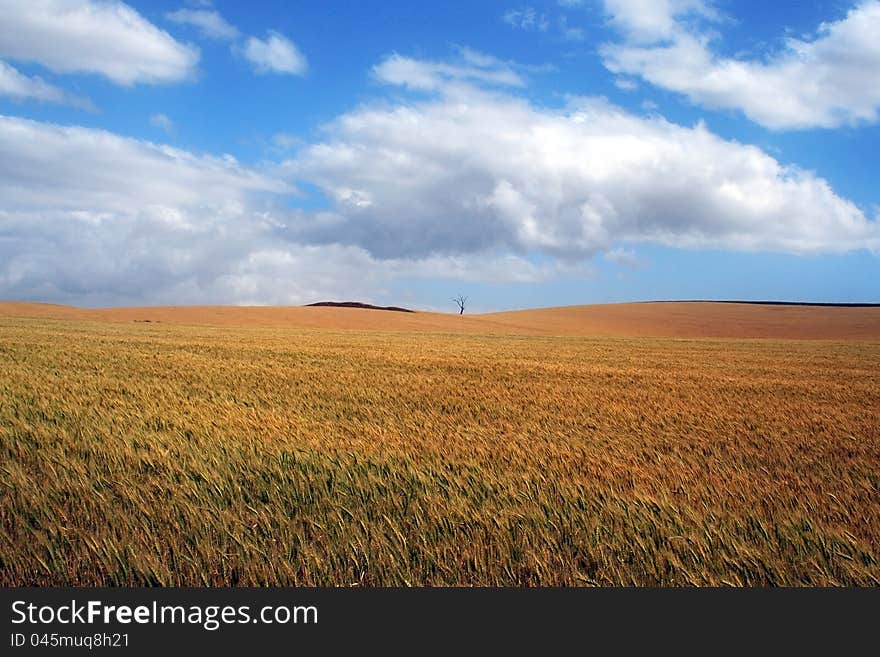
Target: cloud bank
x,y
94,218
452,175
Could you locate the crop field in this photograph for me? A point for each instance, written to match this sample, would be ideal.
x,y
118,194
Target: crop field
x,y
135,453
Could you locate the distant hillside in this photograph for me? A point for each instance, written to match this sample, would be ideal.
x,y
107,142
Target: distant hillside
x,y
826,304
684,319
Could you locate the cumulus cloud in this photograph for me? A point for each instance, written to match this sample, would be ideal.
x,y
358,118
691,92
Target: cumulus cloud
x,y
468,170
108,38
93,218
826,80
21,87
208,21
275,54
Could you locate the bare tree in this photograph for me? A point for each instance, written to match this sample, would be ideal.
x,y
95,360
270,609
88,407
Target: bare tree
x,y
460,301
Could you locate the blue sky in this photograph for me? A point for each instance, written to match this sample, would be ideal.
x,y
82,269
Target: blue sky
x,y
525,154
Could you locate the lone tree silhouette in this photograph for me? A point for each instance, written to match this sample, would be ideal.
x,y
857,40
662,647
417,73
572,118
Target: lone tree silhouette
x,y
460,301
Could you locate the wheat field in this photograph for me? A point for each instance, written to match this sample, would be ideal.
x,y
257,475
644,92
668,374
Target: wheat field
x,y
135,453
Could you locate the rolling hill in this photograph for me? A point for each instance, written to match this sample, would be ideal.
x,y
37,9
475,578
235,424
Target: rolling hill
x,y
691,319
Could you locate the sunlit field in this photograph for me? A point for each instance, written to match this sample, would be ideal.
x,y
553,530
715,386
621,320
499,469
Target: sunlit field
x,y
135,453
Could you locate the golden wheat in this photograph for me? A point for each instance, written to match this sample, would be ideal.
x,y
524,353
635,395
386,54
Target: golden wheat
x,y
135,453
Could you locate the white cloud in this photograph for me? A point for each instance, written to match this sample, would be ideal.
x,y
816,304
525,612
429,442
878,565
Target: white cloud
x,y
431,76
209,22
162,122
21,87
78,169
827,80
469,170
108,38
655,20
275,54
529,19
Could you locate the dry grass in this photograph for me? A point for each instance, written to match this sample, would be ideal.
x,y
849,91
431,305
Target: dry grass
x,y
662,320
159,454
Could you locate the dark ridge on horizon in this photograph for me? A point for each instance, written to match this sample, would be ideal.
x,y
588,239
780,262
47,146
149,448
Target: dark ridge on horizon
x,y
827,304
358,304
